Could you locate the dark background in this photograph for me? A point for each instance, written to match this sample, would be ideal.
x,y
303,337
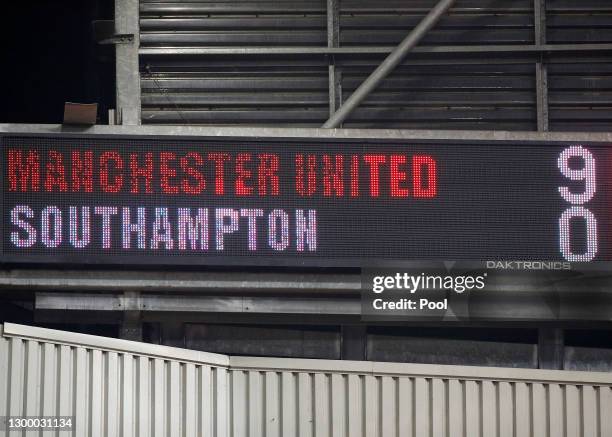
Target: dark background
x,y
50,57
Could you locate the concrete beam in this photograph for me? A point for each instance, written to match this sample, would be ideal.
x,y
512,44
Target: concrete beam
x,y
232,133
127,71
195,304
92,280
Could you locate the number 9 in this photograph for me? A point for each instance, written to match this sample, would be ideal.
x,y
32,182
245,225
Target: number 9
x,y
586,174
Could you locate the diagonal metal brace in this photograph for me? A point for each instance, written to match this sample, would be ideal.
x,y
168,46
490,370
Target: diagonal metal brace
x,y
392,61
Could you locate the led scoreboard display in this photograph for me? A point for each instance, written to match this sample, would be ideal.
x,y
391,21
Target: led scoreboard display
x,y
164,200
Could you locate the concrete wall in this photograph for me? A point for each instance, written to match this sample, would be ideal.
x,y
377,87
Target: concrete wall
x,y
122,388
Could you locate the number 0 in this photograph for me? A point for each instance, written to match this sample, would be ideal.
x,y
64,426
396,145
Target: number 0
x,y
564,233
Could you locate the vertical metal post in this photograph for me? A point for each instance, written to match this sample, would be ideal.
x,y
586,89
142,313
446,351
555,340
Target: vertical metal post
x,y
551,345
541,71
127,72
333,40
131,326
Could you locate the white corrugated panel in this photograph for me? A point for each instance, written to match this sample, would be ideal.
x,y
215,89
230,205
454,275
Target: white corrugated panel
x,y
111,386
121,388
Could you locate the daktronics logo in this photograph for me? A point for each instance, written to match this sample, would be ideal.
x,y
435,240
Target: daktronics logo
x,y
529,265
414,283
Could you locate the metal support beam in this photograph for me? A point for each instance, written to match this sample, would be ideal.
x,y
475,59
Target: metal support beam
x,y
388,64
131,326
126,62
541,70
333,41
528,49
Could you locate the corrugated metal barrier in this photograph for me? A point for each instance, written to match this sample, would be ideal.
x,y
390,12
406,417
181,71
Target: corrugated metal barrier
x,y
121,388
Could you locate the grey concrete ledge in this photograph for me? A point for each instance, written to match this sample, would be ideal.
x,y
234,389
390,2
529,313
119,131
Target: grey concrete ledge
x,y
308,133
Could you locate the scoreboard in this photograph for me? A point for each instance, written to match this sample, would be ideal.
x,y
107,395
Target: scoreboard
x,y
301,202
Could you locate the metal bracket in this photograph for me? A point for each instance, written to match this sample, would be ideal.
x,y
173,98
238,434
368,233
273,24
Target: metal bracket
x,y
131,326
127,38
104,33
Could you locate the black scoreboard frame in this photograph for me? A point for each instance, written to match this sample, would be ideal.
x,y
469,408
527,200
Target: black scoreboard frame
x,y
270,135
